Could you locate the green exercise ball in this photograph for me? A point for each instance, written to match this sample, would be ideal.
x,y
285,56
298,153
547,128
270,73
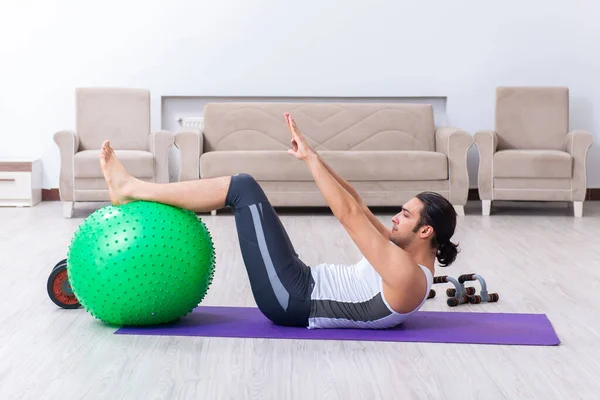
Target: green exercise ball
x,y
141,263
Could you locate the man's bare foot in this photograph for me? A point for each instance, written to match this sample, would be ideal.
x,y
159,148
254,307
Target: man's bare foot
x,y
116,176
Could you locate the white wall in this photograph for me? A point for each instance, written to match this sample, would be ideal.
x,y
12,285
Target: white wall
x,y
459,49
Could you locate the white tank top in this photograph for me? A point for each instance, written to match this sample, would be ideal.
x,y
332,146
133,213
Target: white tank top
x,y
351,296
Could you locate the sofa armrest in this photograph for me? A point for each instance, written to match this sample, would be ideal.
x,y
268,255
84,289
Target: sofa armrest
x,y
68,145
577,144
455,144
160,144
191,147
487,143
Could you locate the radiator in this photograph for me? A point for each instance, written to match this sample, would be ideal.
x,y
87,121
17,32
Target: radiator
x,y
193,123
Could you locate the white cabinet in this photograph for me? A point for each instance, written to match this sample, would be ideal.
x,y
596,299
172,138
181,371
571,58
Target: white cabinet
x,y
20,182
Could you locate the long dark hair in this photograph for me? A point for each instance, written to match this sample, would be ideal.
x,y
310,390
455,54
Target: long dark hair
x,y
439,213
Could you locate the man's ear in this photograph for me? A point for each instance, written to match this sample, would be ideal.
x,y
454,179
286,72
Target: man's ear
x,y
426,231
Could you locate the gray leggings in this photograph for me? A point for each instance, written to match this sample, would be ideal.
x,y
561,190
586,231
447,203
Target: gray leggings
x,y
281,283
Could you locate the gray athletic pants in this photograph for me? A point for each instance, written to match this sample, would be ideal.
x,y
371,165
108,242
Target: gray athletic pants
x,y
281,283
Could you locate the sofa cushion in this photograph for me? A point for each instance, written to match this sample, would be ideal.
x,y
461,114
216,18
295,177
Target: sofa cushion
x,y
326,126
138,163
273,165
532,164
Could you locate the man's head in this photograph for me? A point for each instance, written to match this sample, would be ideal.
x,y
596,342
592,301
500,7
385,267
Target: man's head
x,y
426,221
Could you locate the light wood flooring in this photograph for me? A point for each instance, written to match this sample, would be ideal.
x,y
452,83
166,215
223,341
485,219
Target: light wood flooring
x,y
539,259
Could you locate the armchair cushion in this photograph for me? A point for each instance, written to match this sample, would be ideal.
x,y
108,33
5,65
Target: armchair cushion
x,y
532,164
119,115
532,117
138,163
272,165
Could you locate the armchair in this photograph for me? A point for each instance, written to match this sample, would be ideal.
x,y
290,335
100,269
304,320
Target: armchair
x,y
531,155
123,117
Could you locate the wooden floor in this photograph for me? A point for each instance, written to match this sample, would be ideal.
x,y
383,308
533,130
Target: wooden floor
x,y
540,260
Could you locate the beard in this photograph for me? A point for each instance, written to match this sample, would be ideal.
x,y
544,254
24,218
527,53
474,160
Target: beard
x,y
402,241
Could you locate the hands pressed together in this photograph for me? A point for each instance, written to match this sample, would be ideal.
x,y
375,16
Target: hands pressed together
x,y
300,148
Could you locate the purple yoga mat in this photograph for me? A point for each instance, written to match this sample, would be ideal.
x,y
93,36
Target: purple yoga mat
x,y
423,326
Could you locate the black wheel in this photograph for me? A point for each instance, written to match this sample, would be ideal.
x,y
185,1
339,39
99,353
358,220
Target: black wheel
x,y
59,289
61,263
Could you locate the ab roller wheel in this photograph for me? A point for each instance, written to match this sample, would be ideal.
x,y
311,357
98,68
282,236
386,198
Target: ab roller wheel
x,y
59,289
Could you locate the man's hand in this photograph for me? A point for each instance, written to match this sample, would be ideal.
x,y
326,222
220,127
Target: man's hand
x,y
300,149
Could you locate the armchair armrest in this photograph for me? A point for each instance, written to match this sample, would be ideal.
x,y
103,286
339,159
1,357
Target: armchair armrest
x,y
160,144
68,145
487,143
577,144
455,143
191,146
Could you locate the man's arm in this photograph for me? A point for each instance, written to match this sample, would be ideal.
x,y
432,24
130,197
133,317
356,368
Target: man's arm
x,y
385,257
385,231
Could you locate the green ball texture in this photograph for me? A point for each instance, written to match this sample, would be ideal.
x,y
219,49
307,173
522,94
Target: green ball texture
x,y
141,263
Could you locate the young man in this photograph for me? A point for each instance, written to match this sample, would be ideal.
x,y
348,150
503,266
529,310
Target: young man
x,y
383,289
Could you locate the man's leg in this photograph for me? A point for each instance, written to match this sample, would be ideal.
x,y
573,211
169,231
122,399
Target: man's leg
x,y
199,196
281,283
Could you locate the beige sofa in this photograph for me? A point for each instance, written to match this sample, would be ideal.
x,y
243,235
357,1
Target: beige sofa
x,y
123,117
531,154
388,152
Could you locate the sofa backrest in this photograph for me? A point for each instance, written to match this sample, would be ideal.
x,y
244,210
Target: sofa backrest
x,y
532,117
326,126
119,115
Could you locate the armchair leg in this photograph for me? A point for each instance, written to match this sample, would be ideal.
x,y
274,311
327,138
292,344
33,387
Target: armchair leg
x,y
578,209
67,209
486,206
460,210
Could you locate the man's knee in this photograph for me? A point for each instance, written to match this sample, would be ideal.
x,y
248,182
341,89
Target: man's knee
x,y
244,190
245,179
